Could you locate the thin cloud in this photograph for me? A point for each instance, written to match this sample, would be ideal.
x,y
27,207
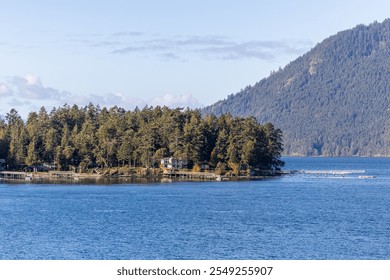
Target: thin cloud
x,y
211,47
174,101
107,100
202,41
31,87
263,50
28,93
141,49
154,46
177,45
128,34
235,52
17,103
106,44
182,47
130,102
5,90
170,56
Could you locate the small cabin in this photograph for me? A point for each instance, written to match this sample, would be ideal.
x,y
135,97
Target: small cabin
x,y
174,163
204,165
243,166
36,168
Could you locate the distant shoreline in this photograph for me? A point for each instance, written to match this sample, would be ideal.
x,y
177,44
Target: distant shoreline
x,y
323,156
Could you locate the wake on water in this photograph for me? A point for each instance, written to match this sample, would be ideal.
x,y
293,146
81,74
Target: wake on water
x,y
337,174
333,172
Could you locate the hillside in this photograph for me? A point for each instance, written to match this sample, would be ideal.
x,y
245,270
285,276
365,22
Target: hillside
x,y
332,101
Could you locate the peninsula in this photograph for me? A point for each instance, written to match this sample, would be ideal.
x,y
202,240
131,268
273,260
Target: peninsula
x,y
73,142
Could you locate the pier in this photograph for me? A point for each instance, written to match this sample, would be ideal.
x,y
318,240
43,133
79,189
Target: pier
x,y
62,174
13,175
188,175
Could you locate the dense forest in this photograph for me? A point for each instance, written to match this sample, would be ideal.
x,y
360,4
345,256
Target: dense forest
x,y
332,101
74,138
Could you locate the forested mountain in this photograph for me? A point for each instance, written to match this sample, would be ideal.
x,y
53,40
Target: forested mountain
x,y
332,101
82,138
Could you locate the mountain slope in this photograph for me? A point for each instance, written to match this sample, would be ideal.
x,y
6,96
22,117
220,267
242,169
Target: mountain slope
x,y
332,101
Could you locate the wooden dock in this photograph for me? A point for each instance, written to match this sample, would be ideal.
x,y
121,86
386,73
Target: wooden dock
x,y
188,175
13,175
62,174
51,175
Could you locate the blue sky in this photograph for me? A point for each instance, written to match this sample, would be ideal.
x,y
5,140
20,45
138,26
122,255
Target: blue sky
x,y
175,53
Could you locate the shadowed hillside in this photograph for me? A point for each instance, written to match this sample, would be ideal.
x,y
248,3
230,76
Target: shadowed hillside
x,y
332,101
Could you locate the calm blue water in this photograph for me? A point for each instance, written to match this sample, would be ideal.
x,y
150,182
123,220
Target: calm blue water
x,y
329,215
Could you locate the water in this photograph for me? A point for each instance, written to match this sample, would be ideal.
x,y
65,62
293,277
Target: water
x,y
323,215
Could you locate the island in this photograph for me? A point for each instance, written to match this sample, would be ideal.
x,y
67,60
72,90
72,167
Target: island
x,y
71,142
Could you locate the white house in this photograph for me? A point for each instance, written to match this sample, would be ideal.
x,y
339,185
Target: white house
x,y
173,163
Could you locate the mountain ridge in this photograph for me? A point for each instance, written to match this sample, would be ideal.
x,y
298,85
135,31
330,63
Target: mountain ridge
x,y
332,101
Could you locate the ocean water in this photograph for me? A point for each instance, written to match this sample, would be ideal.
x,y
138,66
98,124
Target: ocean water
x,y
333,208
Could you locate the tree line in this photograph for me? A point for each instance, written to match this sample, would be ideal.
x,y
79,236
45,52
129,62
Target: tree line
x,y
71,137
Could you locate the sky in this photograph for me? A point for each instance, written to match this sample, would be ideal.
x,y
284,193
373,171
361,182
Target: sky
x,y
173,52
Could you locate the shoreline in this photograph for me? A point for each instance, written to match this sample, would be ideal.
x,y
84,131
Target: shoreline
x,y
161,176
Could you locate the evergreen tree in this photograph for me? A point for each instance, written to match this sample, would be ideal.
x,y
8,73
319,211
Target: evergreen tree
x,y
17,139
4,140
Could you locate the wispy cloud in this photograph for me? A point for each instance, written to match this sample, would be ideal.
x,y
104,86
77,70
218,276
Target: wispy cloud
x,y
181,47
264,50
128,34
177,45
151,47
169,100
105,44
30,92
17,103
169,56
109,100
5,90
31,87
130,102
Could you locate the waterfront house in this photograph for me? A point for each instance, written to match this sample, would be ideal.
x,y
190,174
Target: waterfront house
x,y
204,165
173,163
45,167
243,166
